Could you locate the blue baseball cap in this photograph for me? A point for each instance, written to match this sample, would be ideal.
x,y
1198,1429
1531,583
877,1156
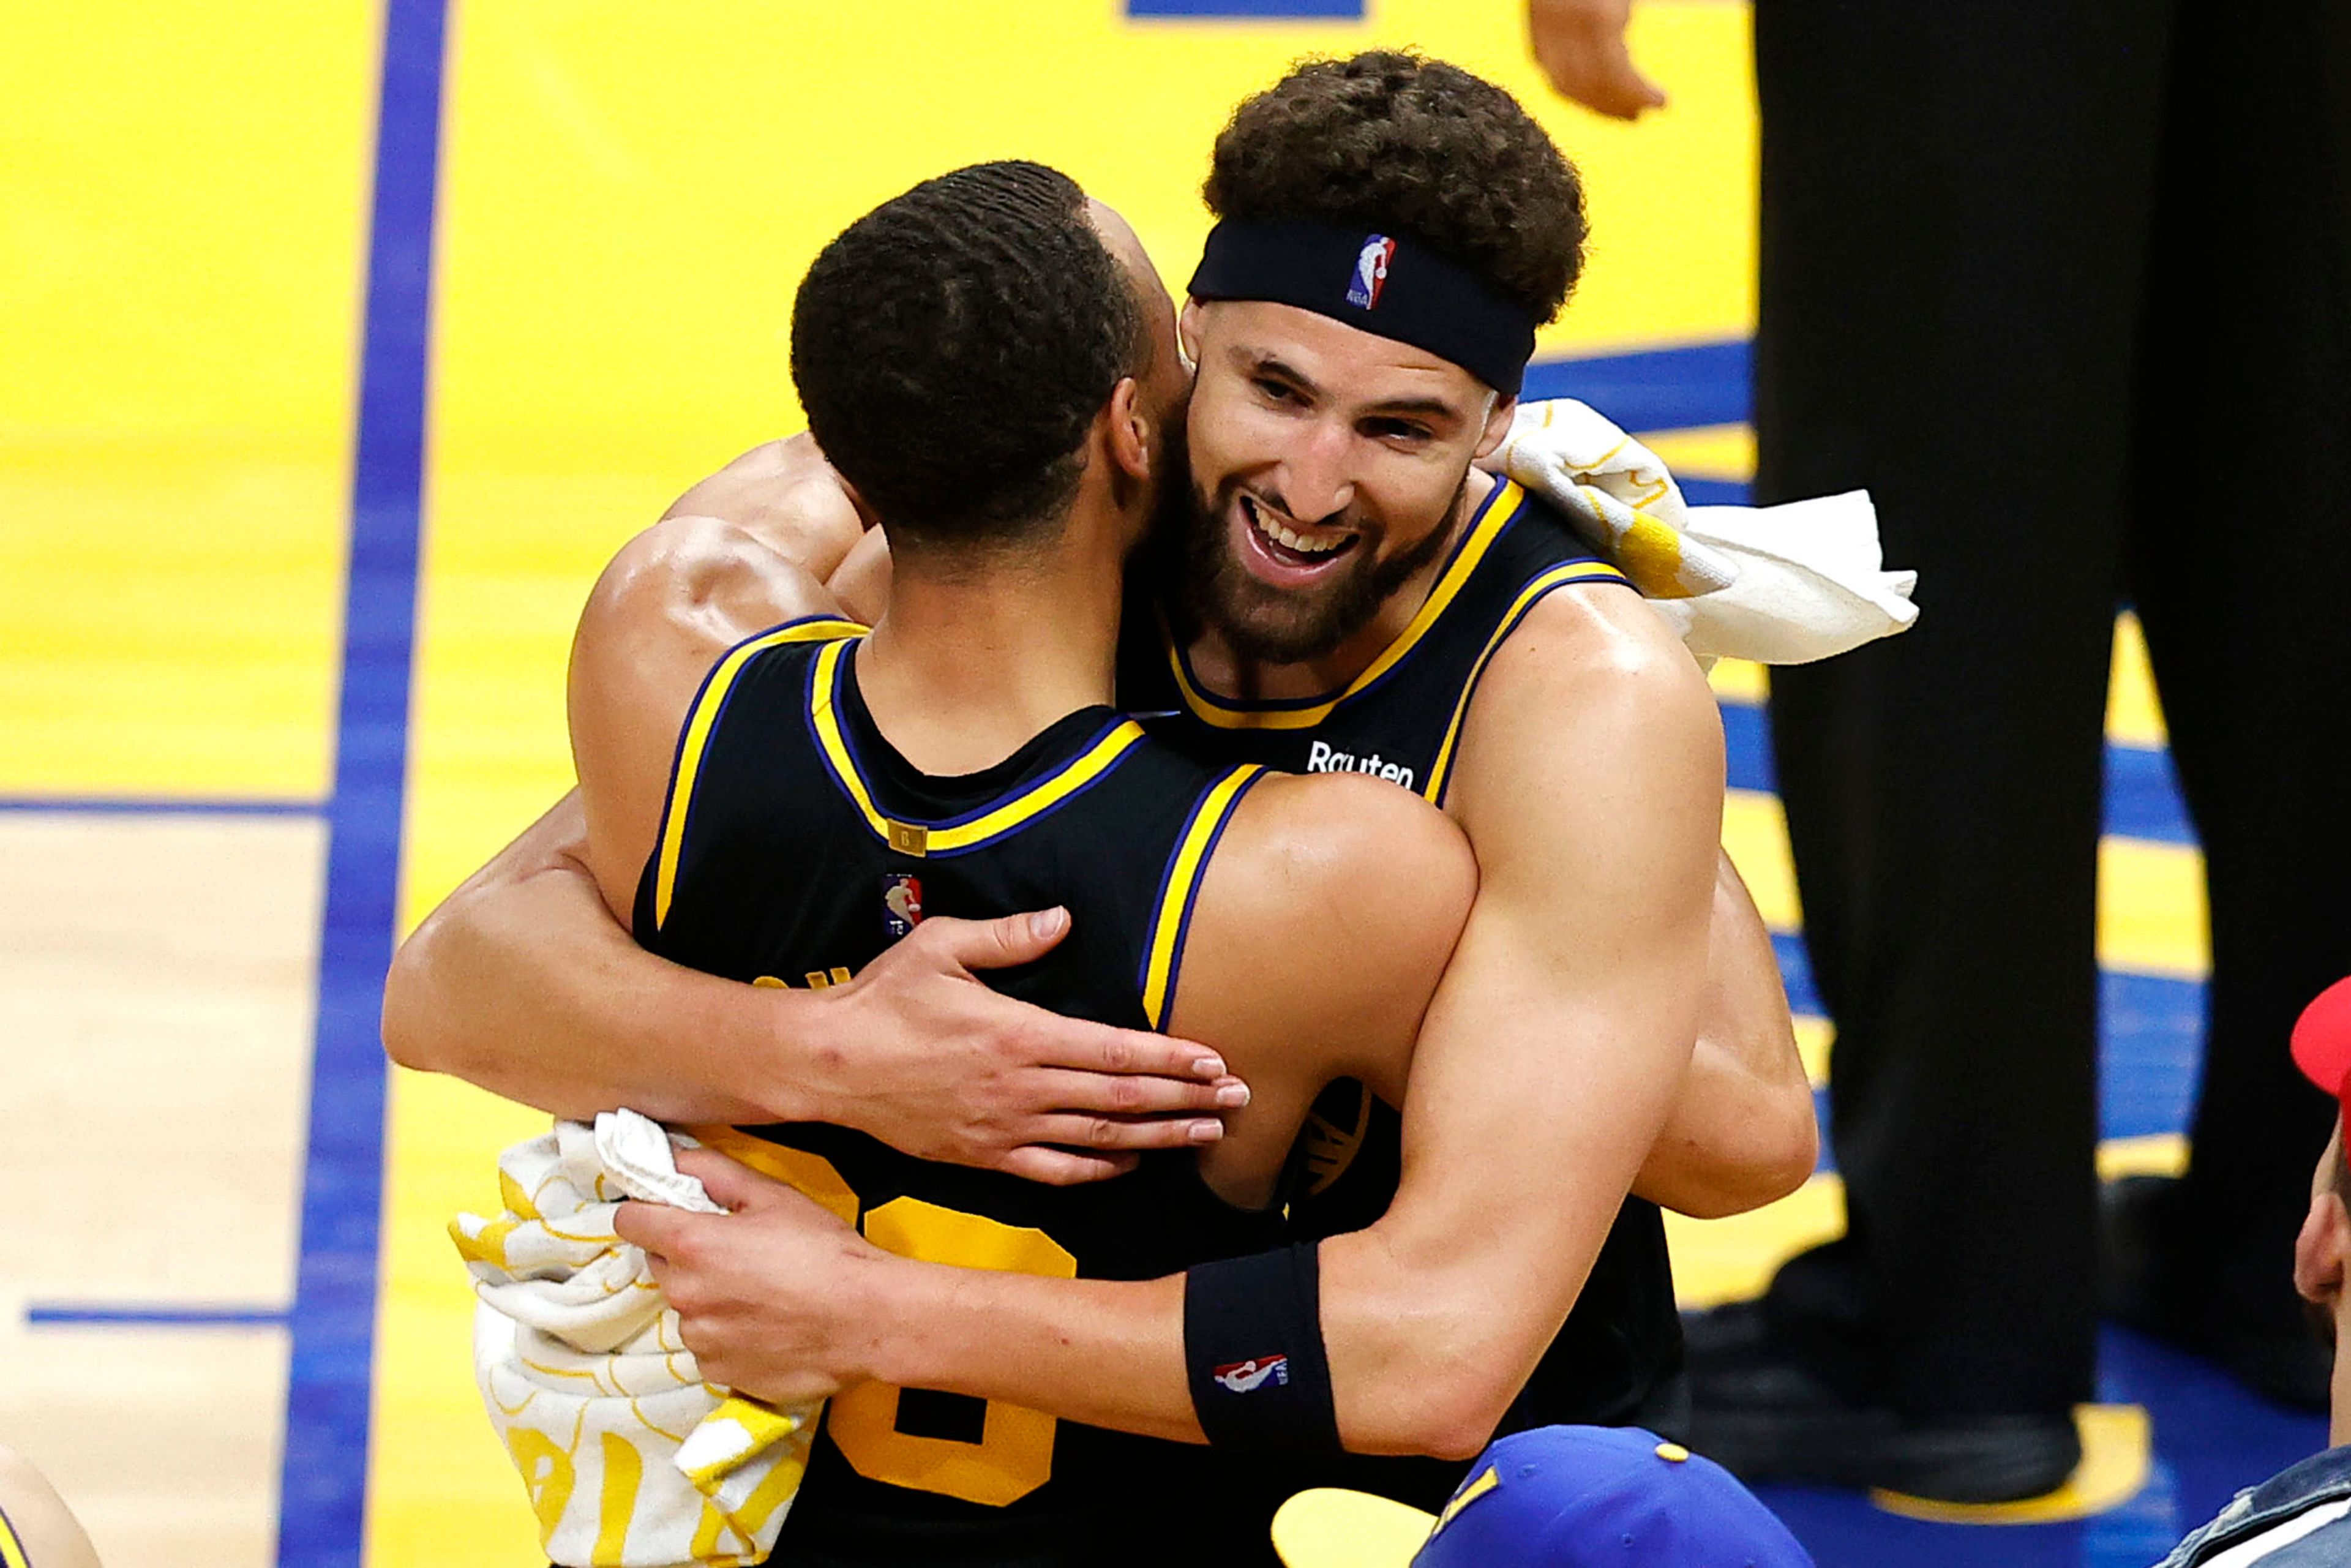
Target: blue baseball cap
x,y
1558,1497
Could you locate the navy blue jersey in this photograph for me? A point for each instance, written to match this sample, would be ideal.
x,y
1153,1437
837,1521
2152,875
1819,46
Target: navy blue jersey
x,y
797,845
1618,1359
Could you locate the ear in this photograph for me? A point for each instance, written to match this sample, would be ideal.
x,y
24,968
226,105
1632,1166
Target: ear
x,y
1498,427
1187,334
1127,430
2322,1249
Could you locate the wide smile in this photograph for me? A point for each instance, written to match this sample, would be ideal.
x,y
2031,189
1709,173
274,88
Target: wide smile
x,y
1285,555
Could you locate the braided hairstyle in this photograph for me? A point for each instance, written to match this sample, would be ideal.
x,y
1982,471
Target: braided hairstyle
x,y
951,347
1389,141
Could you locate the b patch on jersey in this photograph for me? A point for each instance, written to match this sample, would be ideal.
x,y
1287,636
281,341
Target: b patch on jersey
x,y
901,905
1257,1372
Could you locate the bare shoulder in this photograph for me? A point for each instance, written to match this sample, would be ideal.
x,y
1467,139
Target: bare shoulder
x,y
700,584
1592,679
1327,832
785,496
1592,754
1334,899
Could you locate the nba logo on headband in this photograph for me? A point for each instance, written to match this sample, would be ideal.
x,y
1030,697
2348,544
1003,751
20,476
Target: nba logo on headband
x,y
1370,272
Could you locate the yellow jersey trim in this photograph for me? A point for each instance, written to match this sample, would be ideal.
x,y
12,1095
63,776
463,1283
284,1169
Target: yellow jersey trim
x,y
1162,956
1441,774
1499,508
14,1553
926,838
696,735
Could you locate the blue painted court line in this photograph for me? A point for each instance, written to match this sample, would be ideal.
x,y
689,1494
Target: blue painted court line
x,y
1312,10
132,1314
1660,389
323,1486
160,806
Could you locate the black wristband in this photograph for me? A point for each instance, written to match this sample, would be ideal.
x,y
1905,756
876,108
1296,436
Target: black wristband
x,y
1253,1353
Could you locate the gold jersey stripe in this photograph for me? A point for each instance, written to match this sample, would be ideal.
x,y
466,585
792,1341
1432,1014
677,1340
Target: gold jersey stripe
x,y
919,839
14,1553
1557,577
704,713
1165,950
1504,506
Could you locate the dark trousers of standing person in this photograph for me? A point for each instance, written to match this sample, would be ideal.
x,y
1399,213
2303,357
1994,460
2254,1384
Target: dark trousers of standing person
x,y
2066,284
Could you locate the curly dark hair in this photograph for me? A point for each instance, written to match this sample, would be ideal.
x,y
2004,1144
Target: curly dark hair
x,y
1391,141
952,346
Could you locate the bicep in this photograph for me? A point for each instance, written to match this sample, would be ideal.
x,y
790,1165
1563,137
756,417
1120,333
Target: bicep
x,y
1590,785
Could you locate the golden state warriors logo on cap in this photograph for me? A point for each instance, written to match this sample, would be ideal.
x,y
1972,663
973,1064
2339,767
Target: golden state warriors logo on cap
x,y
1371,271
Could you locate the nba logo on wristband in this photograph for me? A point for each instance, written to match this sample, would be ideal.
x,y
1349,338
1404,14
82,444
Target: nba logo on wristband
x,y
1248,1377
1370,272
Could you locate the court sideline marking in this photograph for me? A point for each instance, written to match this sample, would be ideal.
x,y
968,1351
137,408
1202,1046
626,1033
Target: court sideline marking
x,y
322,1488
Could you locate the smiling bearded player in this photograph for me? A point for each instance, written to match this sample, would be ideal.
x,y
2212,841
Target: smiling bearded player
x,y
1361,598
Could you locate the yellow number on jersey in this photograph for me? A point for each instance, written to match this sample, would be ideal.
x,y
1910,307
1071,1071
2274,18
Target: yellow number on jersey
x,y
1014,1454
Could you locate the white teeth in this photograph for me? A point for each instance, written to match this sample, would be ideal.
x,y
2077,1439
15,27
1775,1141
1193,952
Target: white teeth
x,y
1288,540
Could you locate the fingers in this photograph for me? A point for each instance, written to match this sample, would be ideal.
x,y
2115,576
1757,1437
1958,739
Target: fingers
x,y
1098,1048
1126,1096
1619,89
1062,1167
996,943
1580,45
653,1226
1119,1134
729,1182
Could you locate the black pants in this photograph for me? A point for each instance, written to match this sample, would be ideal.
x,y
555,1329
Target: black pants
x,y
2066,284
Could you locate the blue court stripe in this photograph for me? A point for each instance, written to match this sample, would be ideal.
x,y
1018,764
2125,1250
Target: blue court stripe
x,y
159,806
323,1487
137,1314
1660,389
1312,10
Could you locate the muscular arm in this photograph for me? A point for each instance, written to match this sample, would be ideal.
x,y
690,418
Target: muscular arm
x,y
1546,1065
1742,1132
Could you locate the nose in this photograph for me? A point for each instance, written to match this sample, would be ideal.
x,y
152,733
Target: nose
x,y
1315,480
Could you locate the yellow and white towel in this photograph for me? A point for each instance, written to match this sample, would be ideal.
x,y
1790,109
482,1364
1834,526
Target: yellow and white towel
x,y
631,1459
1778,585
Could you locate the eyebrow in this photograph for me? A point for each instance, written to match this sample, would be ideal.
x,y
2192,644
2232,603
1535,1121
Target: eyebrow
x,y
1263,361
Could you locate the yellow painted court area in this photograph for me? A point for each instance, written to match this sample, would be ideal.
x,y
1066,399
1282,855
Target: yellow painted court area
x,y
181,241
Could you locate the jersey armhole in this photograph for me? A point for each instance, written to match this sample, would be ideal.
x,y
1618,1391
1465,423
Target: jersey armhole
x,y
1440,777
1179,889
657,888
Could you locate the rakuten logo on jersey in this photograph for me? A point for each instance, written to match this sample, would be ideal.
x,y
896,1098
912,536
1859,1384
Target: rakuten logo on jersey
x,y
1320,758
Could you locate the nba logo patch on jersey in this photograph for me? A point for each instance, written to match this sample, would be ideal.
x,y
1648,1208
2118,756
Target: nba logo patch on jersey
x,y
1370,272
1248,1377
901,905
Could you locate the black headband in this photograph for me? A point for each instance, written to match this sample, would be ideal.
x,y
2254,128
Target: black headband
x,y
1390,285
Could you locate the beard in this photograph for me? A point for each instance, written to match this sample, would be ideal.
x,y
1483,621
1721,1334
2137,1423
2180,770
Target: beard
x,y
1287,626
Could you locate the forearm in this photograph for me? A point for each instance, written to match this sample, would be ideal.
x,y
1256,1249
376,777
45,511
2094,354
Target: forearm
x,y
1742,1133
1401,1346
1106,1352
522,982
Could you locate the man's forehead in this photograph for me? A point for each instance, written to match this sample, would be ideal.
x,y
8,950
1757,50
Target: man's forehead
x,y
1343,360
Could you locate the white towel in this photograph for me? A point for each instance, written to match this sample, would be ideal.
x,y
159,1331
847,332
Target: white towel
x,y
1779,585
631,1459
